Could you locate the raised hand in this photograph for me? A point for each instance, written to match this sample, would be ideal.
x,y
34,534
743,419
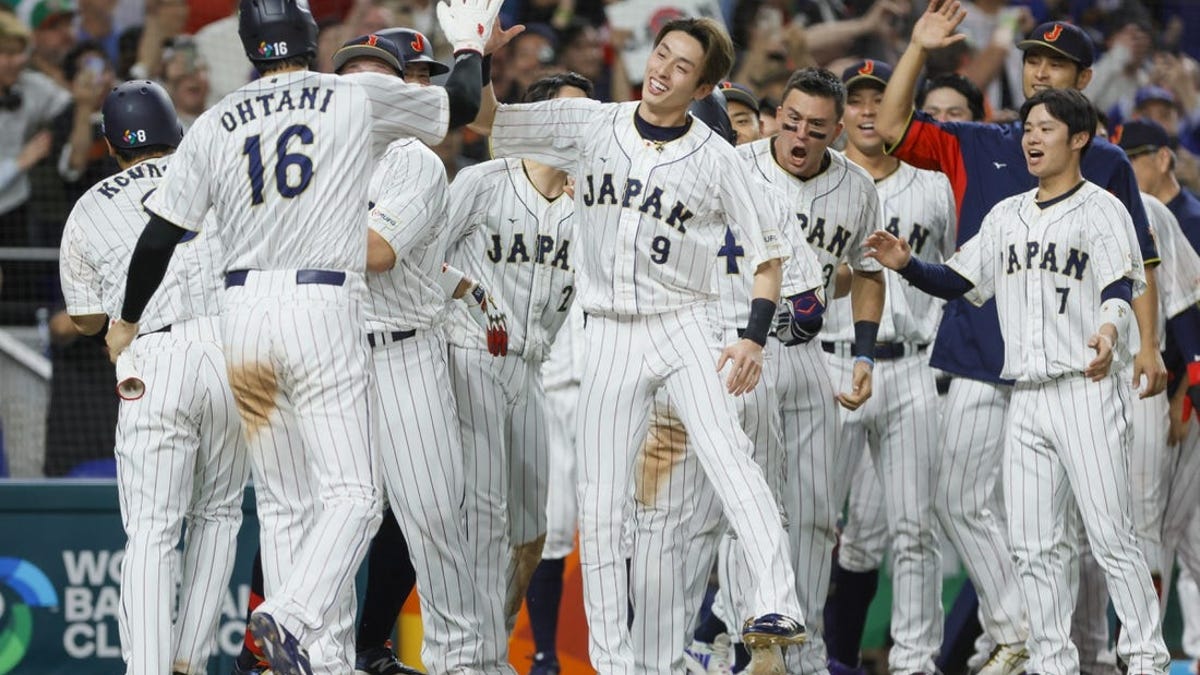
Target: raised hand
x,y
891,251
935,29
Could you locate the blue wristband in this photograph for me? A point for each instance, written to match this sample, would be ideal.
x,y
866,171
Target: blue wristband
x,y
865,359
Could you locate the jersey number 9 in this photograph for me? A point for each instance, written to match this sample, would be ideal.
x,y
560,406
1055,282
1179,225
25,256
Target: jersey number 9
x,y
284,160
660,248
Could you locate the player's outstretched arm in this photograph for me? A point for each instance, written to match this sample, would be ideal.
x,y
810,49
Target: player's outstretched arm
x,y
1148,361
745,357
488,103
935,279
147,268
934,30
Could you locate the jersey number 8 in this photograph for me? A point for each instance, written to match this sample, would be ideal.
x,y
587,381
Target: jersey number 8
x,y
284,160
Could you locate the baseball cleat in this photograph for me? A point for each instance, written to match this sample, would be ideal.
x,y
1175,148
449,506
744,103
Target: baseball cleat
x,y
381,661
838,668
770,630
544,664
282,649
1005,660
701,658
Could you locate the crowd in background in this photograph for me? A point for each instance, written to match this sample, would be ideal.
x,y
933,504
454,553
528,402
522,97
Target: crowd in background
x,y
58,58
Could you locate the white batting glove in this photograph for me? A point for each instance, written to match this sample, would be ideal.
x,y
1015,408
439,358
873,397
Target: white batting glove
x,y
468,23
484,311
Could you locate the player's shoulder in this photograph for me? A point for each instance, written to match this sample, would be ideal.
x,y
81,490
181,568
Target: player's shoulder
x,y
486,174
1096,197
1014,204
845,172
411,150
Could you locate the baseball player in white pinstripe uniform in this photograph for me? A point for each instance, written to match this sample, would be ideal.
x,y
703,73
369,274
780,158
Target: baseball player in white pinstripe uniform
x,y
420,448
511,228
677,521
281,161
899,423
653,197
1063,263
179,447
835,205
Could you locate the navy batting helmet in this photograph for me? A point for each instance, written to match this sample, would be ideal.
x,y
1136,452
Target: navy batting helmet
x,y
139,113
273,30
415,47
711,110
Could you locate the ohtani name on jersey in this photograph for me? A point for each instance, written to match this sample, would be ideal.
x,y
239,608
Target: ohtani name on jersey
x,y
1046,258
518,252
916,239
248,109
123,179
648,202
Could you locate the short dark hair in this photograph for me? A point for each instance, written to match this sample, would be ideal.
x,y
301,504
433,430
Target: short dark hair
x,y
958,83
547,87
818,82
131,155
1068,106
718,48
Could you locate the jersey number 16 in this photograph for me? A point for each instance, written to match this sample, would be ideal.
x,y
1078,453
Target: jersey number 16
x,y
284,160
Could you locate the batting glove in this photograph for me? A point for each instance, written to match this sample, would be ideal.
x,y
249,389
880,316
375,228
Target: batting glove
x,y
468,23
487,314
800,317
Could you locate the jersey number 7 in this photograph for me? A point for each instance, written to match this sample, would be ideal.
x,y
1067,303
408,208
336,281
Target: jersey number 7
x,y
284,160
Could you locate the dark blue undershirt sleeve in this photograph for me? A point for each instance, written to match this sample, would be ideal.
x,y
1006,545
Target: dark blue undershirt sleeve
x,y
1121,289
937,280
148,265
1184,328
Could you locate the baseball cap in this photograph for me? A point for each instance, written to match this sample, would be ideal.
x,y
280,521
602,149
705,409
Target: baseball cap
x,y
739,93
46,11
867,71
371,46
1137,137
1153,93
11,28
1064,38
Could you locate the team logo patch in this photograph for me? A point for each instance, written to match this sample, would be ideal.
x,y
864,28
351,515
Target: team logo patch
x,y
128,136
1054,34
418,43
372,40
1115,136
31,588
272,49
868,67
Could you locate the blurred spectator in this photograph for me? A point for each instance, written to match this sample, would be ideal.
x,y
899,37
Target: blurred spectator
x,y
742,107
531,56
185,77
83,400
95,22
365,17
992,28
203,12
1124,68
219,46
870,28
52,38
164,22
582,51
556,13
29,101
1178,75
84,158
450,150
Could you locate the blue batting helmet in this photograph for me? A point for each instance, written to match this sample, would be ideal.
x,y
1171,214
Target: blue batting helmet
x,y
415,47
273,30
139,113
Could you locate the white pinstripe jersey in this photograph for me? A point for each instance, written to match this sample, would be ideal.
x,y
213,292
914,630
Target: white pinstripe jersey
x,y
1047,267
651,215
519,245
98,242
564,366
1178,275
735,278
918,206
282,162
408,199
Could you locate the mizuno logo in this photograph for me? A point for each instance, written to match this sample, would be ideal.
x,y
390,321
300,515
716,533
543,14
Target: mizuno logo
x,y
1000,165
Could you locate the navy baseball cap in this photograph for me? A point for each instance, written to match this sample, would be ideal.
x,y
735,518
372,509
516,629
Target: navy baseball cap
x,y
868,71
1153,93
415,48
1066,39
739,93
1137,137
370,46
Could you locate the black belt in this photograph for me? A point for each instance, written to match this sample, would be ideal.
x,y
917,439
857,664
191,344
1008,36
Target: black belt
x,y
164,329
386,337
326,277
883,350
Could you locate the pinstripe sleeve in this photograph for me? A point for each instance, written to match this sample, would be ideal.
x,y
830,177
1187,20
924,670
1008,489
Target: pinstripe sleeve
x,y
870,219
462,213
551,132
976,260
184,195
1112,256
402,110
755,222
77,273
413,202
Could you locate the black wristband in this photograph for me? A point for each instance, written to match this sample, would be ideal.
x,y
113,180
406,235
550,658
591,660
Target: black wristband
x,y
486,70
762,316
865,333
